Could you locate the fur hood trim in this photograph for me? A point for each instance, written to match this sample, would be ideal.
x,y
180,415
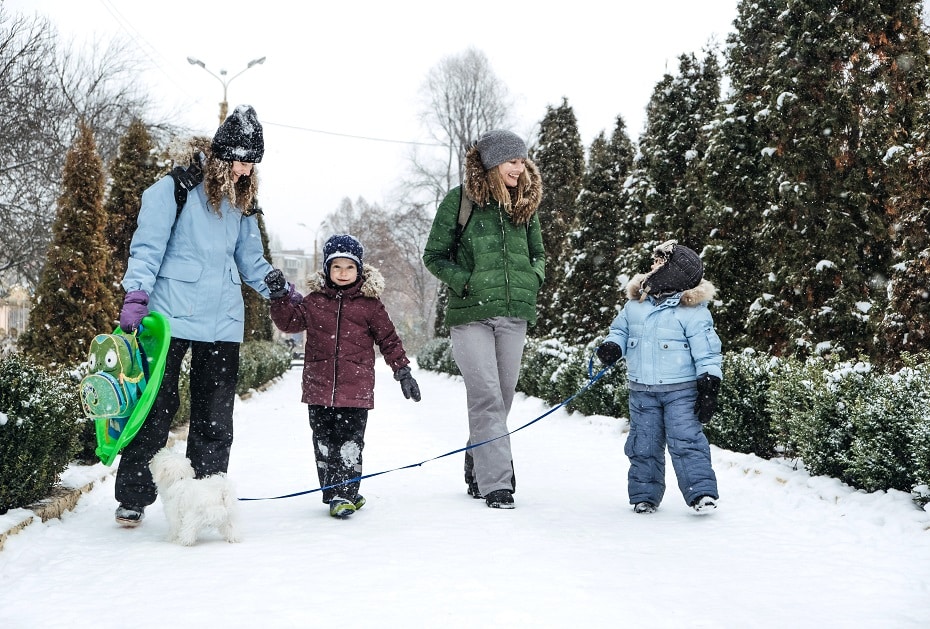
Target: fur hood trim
x,y
372,282
705,291
181,151
478,188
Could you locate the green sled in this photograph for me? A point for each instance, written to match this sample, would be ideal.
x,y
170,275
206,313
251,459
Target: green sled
x,y
114,434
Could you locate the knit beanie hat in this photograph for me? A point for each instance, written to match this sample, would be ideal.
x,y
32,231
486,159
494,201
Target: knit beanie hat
x,y
342,246
681,271
499,146
240,138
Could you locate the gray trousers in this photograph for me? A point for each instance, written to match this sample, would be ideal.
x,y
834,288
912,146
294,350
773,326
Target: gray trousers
x,y
488,353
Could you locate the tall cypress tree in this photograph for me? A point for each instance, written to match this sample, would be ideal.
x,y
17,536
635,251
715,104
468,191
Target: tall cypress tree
x,y
257,308
134,169
560,158
839,103
72,302
668,184
736,167
906,323
591,288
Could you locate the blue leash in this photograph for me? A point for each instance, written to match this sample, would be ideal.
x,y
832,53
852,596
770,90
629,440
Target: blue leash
x,y
592,378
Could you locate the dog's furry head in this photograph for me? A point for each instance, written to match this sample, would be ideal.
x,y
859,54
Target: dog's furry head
x,y
169,467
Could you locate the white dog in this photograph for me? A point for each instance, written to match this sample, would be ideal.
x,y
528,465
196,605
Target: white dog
x,y
192,505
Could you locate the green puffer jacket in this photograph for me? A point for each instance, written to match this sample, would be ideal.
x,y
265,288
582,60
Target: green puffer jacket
x,y
500,263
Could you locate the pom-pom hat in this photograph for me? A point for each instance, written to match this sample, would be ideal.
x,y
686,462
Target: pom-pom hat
x,y
499,146
240,137
342,246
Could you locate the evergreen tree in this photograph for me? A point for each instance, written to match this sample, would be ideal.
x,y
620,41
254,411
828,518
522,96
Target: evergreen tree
x,y
906,324
736,168
133,170
258,326
591,288
668,183
839,103
72,303
560,158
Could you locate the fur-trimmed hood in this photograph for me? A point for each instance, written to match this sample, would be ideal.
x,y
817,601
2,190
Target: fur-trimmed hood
x,y
181,151
703,292
478,188
372,283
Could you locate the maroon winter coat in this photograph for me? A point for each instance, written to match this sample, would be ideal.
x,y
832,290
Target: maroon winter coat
x,y
342,328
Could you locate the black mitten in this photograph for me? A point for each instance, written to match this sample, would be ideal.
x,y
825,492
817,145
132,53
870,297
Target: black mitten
x,y
408,385
708,387
276,284
609,353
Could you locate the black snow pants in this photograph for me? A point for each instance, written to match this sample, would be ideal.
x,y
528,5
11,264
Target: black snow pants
x,y
214,373
338,441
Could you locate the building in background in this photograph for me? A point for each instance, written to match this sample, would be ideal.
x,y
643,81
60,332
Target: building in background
x,y
298,266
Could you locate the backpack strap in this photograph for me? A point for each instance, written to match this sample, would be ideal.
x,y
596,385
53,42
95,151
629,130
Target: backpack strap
x,y
465,207
185,180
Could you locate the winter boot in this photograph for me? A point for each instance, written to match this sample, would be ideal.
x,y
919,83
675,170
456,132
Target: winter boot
x,y
500,499
341,508
644,507
129,516
704,504
359,502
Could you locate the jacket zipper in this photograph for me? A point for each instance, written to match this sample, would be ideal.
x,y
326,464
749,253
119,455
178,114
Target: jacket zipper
x,y
506,261
336,353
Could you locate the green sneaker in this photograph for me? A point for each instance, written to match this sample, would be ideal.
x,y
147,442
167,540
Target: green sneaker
x,y
341,508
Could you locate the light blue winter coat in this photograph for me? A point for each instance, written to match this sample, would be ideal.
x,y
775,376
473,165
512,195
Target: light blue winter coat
x,y
191,267
670,342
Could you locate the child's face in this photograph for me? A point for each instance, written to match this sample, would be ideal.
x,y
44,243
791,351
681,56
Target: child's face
x,y
343,271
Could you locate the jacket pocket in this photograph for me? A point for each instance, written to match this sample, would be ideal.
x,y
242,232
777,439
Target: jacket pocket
x,y
675,361
177,281
235,307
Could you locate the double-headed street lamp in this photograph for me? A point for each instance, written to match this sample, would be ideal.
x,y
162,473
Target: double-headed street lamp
x,y
224,106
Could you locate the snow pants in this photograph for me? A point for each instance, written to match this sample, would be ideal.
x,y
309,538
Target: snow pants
x,y
488,354
668,419
338,441
214,374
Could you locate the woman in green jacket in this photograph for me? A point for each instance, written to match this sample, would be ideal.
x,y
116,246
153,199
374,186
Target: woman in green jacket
x,y
493,280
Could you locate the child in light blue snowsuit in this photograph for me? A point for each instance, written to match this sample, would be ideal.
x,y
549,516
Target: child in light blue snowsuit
x,y
673,357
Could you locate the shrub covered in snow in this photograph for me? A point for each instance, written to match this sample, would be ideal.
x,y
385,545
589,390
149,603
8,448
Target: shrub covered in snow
x,y
436,355
261,362
742,422
40,419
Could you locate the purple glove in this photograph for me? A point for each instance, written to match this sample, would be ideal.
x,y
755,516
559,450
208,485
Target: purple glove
x,y
135,307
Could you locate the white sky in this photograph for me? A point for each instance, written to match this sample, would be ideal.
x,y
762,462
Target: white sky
x,y
356,68
784,549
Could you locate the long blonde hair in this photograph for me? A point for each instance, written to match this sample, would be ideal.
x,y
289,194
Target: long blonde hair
x,y
509,198
218,183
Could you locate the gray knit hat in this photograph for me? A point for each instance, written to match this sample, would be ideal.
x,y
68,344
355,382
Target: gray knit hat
x,y
499,146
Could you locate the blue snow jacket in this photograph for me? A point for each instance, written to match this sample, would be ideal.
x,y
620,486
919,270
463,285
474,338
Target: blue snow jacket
x,y
667,342
191,267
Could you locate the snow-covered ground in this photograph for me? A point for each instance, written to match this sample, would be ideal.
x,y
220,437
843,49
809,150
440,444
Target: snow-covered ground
x,y
783,549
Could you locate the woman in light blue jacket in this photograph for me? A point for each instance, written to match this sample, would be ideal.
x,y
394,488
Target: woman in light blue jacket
x,y
189,266
673,357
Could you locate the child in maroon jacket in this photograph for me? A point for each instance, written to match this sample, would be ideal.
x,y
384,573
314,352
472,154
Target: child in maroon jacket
x,y
344,318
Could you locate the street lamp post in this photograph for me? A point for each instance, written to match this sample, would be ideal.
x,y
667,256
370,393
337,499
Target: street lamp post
x,y
224,106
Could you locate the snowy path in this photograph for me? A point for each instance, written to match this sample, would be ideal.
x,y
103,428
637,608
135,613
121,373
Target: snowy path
x,y
783,549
